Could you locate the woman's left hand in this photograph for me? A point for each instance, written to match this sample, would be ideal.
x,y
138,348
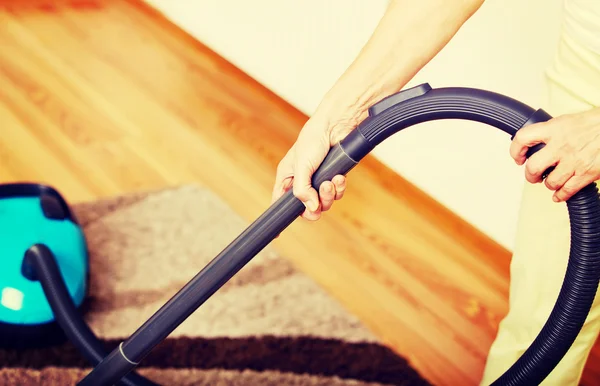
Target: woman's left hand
x,y
572,146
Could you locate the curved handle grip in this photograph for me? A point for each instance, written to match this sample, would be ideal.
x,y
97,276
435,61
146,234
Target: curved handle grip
x,y
422,103
427,104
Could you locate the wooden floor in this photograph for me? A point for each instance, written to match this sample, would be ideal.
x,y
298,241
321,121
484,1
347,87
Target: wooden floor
x,y
100,98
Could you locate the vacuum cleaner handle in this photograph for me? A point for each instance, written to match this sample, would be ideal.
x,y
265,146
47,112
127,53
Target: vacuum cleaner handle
x,y
390,115
236,255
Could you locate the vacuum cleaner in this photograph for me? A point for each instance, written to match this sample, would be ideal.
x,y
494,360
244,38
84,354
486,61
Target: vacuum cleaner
x,y
46,271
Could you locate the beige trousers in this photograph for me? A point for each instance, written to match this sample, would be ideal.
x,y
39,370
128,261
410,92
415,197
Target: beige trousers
x,y
542,245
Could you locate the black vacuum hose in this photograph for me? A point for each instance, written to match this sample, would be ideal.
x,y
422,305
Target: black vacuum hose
x,y
44,268
387,117
574,300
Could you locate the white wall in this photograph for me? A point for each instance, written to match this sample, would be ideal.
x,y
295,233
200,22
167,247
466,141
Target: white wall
x,y
299,48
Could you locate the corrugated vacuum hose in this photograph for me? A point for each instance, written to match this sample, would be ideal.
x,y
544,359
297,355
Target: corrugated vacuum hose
x,y
387,117
574,300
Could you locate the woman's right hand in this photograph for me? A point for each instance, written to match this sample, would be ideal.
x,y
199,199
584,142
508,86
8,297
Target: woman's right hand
x,y
295,170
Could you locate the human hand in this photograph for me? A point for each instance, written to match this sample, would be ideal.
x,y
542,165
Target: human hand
x,y
297,167
572,145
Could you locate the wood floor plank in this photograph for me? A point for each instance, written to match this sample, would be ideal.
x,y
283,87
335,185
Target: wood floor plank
x,y
30,160
103,97
30,119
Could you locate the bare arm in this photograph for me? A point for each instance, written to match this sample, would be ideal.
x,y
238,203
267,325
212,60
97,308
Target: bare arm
x,y
408,36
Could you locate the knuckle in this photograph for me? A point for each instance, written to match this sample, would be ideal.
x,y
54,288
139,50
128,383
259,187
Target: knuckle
x,y
520,134
569,189
300,192
530,177
515,146
586,166
566,146
533,167
518,142
552,184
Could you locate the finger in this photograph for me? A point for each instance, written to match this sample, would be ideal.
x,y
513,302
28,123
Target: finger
x,y
310,152
303,190
339,182
327,195
526,138
572,186
559,176
539,162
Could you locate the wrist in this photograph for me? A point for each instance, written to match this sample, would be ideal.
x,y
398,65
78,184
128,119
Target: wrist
x,y
342,109
340,116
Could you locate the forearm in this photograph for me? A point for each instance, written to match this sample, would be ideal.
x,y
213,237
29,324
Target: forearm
x,y
408,36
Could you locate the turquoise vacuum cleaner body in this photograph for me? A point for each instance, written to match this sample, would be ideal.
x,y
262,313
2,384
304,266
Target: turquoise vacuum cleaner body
x,y
36,214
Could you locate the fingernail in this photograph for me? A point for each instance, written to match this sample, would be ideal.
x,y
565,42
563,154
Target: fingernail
x,y
312,206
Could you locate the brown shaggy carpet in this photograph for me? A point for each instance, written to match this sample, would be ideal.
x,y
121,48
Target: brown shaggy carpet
x,y
270,325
